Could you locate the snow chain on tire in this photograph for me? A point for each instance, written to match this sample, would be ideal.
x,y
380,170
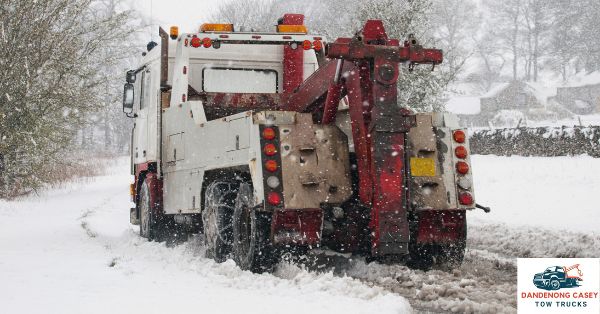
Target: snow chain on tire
x,y
251,234
217,218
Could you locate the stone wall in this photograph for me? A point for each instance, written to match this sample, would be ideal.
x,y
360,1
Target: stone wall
x,y
543,141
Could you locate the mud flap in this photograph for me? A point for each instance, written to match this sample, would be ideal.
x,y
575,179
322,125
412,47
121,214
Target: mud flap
x,y
393,228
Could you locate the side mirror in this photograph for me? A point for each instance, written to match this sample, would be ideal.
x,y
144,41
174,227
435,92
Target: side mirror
x,y
130,77
128,96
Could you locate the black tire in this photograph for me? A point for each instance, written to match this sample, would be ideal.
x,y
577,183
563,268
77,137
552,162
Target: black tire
x,y
149,224
251,234
421,256
554,284
217,218
154,226
451,256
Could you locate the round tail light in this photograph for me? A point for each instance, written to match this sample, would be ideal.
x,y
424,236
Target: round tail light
x,y
274,198
196,42
206,42
459,136
268,133
306,45
465,198
460,152
462,167
271,165
318,45
270,150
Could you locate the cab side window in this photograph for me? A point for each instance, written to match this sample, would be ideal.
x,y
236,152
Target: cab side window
x,y
145,89
137,95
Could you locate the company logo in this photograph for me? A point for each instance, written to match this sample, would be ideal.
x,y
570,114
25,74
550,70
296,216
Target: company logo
x,y
556,277
560,287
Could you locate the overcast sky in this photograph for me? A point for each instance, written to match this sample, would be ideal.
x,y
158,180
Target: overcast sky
x,y
187,14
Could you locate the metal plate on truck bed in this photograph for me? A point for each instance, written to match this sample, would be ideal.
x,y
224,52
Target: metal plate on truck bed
x,y
422,167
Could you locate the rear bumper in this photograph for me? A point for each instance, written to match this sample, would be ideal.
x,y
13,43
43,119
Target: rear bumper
x,y
297,226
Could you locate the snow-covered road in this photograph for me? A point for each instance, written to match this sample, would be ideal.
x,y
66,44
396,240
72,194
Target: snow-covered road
x,y
72,250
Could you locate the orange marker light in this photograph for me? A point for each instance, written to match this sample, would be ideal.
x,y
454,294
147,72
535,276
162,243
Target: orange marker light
x,y
211,27
174,32
300,29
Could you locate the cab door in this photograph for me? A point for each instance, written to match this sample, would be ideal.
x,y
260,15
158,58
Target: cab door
x,y
141,103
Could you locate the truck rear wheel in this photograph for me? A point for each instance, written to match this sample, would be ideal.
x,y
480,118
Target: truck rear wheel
x,y
251,234
217,218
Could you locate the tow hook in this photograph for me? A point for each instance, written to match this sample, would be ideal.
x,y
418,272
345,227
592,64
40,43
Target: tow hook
x,y
485,209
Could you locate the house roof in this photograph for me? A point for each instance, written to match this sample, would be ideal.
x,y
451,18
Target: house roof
x,y
539,91
464,105
495,90
583,79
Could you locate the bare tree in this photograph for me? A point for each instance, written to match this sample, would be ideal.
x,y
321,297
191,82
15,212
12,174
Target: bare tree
x,y
505,19
52,75
455,22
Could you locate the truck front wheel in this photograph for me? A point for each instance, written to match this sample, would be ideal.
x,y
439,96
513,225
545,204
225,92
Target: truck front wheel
x,y
251,234
554,284
149,222
217,218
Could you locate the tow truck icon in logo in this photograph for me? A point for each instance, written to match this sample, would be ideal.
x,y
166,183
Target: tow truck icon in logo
x,y
556,277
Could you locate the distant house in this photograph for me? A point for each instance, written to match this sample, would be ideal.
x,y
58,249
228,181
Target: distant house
x,y
520,96
581,95
506,103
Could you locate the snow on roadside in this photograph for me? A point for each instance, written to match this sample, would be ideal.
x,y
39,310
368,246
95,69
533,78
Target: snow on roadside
x,y
72,250
557,193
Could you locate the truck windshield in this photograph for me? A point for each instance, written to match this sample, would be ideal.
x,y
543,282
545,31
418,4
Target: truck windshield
x,y
227,80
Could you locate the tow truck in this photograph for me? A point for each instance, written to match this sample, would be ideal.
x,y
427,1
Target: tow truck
x,y
284,142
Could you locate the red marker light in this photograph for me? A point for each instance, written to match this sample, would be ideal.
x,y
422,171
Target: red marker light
x,y
274,198
459,136
465,198
306,45
206,42
460,152
318,45
270,150
462,167
196,42
268,133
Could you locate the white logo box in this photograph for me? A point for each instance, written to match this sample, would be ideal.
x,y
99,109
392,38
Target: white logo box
x,y
558,285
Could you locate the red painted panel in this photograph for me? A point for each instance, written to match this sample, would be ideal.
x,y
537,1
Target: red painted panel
x,y
297,226
441,226
293,68
293,19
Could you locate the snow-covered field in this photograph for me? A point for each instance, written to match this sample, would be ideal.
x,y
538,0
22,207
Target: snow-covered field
x,y
72,250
